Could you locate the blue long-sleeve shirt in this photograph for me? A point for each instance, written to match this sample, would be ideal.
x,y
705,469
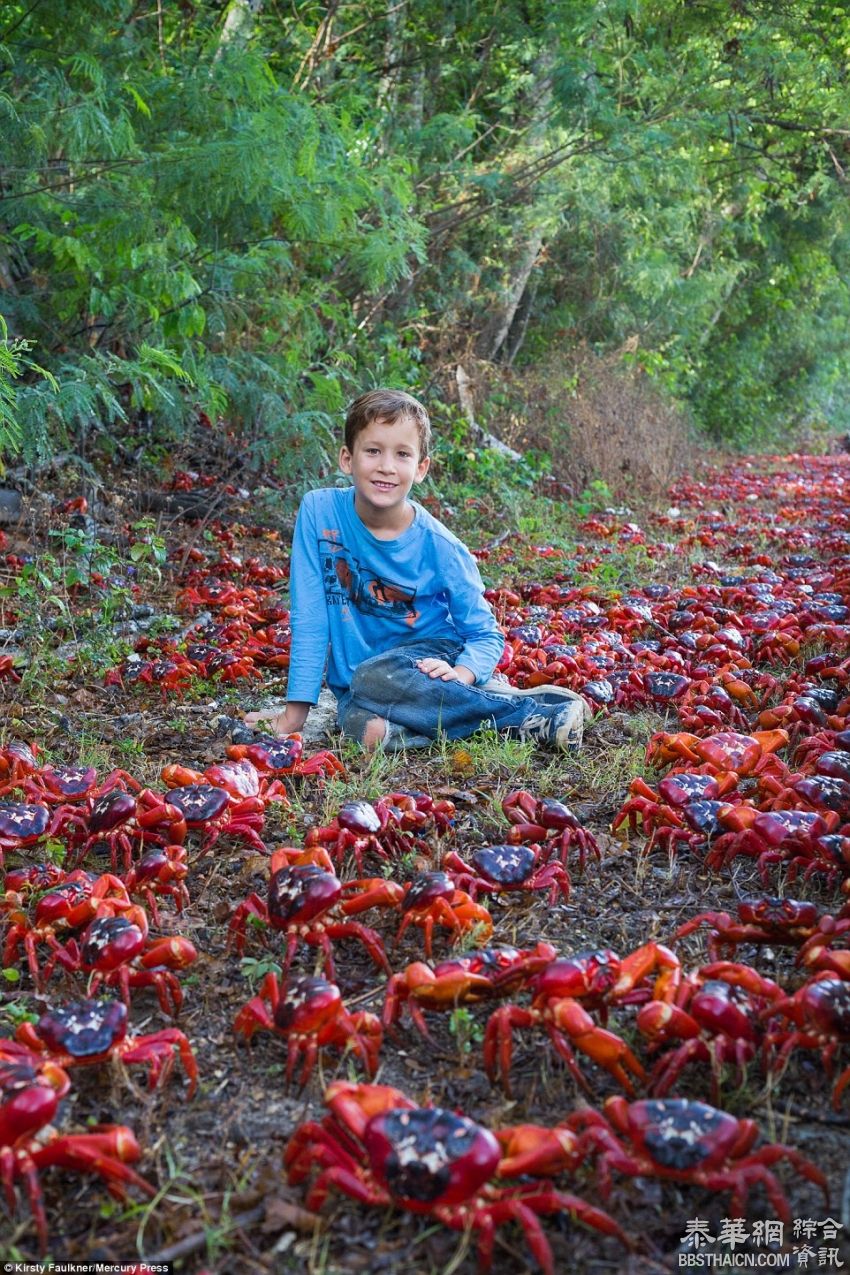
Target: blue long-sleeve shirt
x,y
360,595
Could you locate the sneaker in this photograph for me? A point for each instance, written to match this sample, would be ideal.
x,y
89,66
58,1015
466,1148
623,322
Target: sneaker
x,y
562,728
548,695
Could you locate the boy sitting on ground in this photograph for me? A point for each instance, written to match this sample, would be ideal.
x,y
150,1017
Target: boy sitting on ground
x,y
394,603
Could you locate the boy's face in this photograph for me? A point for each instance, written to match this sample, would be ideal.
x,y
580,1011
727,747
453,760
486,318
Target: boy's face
x,y
384,464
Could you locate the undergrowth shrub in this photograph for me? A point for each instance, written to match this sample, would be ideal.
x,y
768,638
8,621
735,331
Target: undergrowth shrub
x,y
597,418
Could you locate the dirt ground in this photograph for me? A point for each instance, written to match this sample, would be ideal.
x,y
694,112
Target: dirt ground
x,y
222,1203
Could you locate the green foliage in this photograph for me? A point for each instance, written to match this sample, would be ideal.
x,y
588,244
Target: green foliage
x,y
254,222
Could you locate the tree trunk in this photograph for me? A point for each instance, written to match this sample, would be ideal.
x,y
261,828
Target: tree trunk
x,y
238,24
494,335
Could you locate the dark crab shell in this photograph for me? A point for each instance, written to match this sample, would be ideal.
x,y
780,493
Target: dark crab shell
x,y
70,781
835,763
505,865
198,803
666,685
680,1135
359,817
426,889
85,1028
300,894
680,789
829,791
275,755
20,821
427,1156
110,941
307,1005
111,810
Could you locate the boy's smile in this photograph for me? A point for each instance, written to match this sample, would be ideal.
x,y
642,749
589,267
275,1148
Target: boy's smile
x,y
384,465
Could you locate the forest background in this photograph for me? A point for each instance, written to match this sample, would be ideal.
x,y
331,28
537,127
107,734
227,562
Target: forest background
x,y
625,221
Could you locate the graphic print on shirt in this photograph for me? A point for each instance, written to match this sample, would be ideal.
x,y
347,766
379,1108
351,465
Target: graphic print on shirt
x,y
346,581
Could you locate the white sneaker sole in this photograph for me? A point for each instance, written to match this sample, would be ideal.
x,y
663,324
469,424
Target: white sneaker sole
x,y
543,694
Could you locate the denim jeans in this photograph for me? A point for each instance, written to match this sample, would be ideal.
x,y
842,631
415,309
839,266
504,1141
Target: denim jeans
x,y
418,707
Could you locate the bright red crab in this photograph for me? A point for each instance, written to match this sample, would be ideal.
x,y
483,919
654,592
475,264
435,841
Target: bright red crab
x,y
764,920
503,868
17,760
713,1017
65,908
788,837
544,819
379,1148
209,809
683,1141
89,1032
464,980
562,996
273,756
366,827
300,905
817,1016
30,1090
308,1013
432,899
115,951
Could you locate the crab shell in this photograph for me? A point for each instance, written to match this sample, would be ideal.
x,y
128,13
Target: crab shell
x,y
307,1005
679,1135
301,893
198,803
427,1157
83,1029
29,1098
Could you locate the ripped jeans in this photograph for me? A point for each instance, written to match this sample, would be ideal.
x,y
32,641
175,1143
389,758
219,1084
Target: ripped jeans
x,y
417,707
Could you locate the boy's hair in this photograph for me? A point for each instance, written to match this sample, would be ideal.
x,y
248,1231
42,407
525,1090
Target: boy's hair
x,y
389,406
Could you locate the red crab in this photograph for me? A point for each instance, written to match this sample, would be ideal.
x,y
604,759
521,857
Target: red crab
x,y
308,1013
724,752
89,1032
30,1090
161,872
683,1141
365,827
464,980
789,837
299,904
241,780
432,898
819,1017
663,807
712,1017
498,869
562,995
274,756
788,922
544,819
379,1148
17,760
116,952
209,809
58,785
67,907
122,821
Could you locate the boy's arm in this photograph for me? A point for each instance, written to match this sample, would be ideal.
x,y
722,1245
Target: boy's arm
x,y
308,615
474,621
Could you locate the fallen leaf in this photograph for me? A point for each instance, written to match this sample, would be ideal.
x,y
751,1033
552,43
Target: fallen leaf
x,y
282,1214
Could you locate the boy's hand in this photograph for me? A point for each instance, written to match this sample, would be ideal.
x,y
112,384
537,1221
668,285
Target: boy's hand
x,y
287,722
446,672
